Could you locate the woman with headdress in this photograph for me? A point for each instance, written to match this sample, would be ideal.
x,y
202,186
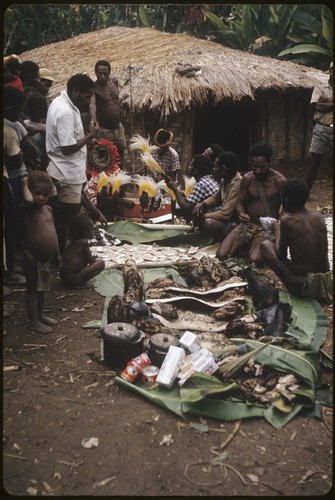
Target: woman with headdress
x,y
165,155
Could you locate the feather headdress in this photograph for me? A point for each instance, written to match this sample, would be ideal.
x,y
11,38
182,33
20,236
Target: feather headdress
x,y
139,143
152,164
162,185
118,180
103,181
145,183
189,183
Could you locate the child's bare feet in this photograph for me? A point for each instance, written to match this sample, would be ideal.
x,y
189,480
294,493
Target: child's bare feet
x,y
48,321
39,327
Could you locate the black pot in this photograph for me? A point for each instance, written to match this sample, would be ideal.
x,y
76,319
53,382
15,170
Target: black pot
x,y
122,342
159,344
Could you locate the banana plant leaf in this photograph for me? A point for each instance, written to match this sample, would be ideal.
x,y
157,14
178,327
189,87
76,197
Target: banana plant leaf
x,y
231,368
304,365
309,321
200,386
137,233
220,409
110,281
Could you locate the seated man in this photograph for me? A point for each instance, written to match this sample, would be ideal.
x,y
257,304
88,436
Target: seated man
x,y
220,222
165,155
304,233
259,197
201,169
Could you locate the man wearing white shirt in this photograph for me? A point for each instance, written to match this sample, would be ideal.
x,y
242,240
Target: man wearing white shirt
x,y
66,148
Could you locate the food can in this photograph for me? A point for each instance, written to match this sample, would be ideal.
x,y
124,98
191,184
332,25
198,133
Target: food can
x,y
149,374
134,367
142,360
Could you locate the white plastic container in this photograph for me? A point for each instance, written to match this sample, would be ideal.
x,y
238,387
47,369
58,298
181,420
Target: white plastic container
x,y
200,361
190,342
171,366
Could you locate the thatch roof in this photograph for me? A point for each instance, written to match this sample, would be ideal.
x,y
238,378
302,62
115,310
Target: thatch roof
x,y
153,55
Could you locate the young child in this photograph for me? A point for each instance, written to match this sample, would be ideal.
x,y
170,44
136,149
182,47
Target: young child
x,y
41,247
79,266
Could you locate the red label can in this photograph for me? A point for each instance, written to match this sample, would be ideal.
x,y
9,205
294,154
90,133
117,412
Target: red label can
x,y
149,374
134,367
142,360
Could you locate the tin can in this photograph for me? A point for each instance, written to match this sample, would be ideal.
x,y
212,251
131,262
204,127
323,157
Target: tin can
x,y
149,374
134,367
142,360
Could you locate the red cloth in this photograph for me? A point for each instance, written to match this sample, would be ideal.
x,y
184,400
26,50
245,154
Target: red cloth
x,y
16,83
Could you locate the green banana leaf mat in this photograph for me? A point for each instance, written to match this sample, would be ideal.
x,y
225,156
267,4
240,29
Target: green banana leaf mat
x,y
210,397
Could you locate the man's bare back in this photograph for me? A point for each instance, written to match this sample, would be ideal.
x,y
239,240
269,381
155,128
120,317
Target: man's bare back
x,y
305,232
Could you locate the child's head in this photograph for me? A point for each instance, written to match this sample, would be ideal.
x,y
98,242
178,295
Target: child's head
x,y
40,185
294,195
81,227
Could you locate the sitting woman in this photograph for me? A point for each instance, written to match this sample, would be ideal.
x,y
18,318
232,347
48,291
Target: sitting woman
x,y
78,264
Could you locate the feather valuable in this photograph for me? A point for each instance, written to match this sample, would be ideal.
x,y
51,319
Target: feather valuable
x,y
139,143
189,183
152,164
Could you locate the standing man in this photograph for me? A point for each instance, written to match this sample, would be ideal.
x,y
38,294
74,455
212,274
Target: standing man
x,y
322,136
259,197
66,148
221,221
105,106
304,233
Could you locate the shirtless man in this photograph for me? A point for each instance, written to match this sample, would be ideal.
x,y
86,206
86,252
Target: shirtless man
x,y
250,206
304,233
105,106
79,265
41,247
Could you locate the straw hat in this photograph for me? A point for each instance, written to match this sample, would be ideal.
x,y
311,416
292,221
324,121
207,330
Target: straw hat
x,y
45,74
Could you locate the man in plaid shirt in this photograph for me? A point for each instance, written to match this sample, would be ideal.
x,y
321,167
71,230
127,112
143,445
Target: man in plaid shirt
x,y
201,169
165,155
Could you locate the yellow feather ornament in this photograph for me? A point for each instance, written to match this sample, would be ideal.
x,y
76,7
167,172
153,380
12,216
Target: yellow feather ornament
x,y
145,183
189,183
162,185
103,181
152,164
139,143
118,180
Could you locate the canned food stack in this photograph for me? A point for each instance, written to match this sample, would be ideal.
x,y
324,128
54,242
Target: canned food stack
x,y
179,363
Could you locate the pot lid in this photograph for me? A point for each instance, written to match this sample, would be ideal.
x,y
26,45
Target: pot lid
x,y
162,341
120,332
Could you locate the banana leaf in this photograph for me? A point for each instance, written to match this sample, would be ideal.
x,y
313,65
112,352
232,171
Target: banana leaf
x,y
110,281
231,368
304,365
137,233
200,386
220,409
304,48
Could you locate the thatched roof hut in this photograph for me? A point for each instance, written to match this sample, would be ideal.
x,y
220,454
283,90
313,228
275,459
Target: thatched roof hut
x,y
146,62
154,56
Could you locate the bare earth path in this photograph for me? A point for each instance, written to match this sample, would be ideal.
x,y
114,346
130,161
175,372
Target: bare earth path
x,y
61,394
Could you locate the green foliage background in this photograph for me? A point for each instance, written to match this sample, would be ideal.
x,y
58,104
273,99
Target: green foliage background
x,y
299,33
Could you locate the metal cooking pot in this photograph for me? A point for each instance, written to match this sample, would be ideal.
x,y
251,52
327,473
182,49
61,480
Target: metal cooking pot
x,y
159,344
122,342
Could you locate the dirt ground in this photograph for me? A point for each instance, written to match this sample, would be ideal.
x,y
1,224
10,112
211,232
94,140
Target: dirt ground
x,y
61,394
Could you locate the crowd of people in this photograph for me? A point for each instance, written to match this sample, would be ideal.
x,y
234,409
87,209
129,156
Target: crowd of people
x,y
46,175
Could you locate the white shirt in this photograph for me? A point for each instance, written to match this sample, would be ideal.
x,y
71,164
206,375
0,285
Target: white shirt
x,y
64,128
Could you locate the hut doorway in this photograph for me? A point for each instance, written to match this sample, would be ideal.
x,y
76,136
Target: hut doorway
x,y
228,124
